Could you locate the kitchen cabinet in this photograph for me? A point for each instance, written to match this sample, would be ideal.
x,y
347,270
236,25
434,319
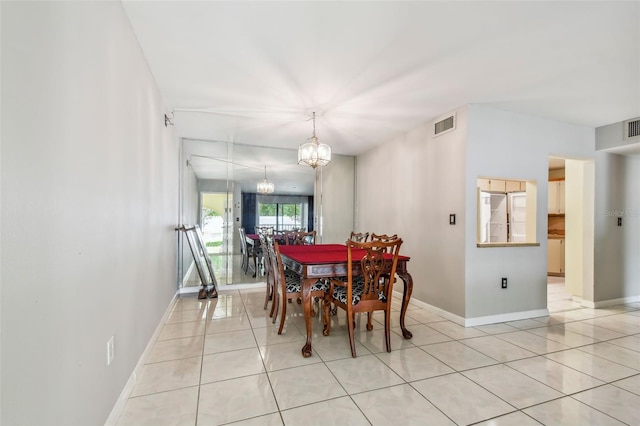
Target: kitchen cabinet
x,y
555,257
496,185
556,197
501,185
515,186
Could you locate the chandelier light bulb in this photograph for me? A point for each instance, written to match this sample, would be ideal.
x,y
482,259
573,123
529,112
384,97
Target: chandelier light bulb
x,y
314,153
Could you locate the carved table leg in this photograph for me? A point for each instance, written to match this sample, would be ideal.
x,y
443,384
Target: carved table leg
x,y
306,306
406,296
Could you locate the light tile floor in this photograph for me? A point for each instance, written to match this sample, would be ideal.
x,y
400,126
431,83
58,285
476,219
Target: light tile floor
x,y
221,361
557,297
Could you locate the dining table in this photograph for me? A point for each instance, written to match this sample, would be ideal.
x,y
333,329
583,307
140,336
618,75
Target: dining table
x,y
313,262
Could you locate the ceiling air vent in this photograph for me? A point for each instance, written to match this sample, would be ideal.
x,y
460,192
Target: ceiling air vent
x,y
443,126
632,128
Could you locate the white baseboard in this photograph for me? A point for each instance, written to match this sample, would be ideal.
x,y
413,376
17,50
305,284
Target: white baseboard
x,y
610,302
433,309
118,408
511,316
474,322
241,286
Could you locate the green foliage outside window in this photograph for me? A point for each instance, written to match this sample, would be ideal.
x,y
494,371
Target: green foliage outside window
x,y
268,209
291,211
207,212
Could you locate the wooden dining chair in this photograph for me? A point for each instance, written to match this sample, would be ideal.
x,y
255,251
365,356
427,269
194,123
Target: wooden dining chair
x,y
264,230
244,250
271,293
383,237
279,236
300,238
360,237
290,283
378,265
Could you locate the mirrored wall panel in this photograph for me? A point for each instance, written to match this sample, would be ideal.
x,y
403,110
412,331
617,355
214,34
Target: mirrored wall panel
x,y
230,190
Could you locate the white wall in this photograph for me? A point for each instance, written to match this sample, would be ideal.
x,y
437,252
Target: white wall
x,y
89,204
409,186
518,146
617,248
412,183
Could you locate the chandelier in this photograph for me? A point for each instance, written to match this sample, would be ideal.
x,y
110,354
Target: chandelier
x,y
314,153
265,187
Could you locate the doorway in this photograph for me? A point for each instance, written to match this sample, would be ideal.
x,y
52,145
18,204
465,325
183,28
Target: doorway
x,y
570,233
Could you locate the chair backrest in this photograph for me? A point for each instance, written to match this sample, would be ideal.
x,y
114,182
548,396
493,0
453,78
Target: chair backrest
x,y
243,240
277,266
266,240
360,237
383,237
264,230
300,238
280,236
378,264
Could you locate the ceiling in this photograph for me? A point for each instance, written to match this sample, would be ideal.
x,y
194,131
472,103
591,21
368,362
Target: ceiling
x,y
253,72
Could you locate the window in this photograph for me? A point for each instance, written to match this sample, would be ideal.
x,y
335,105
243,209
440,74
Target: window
x,y
506,212
283,216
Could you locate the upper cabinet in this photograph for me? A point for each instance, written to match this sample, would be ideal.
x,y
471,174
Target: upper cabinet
x,y
501,185
556,197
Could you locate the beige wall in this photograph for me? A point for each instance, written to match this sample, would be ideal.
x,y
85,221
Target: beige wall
x,y
579,235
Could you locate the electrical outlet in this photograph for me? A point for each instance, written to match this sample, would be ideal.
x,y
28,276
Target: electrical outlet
x,y
111,350
504,283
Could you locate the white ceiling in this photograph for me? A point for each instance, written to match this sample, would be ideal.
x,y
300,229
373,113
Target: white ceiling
x,y
253,72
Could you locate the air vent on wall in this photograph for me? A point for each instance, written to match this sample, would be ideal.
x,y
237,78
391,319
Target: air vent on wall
x,y
443,126
632,128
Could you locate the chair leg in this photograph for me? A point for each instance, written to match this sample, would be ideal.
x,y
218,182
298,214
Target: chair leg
x,y
276,301
283,315
387,329
245,262
350,326
256,260
274,308
268,294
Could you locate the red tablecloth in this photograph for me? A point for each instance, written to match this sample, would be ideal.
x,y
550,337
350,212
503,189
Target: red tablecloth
x,y
322,253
